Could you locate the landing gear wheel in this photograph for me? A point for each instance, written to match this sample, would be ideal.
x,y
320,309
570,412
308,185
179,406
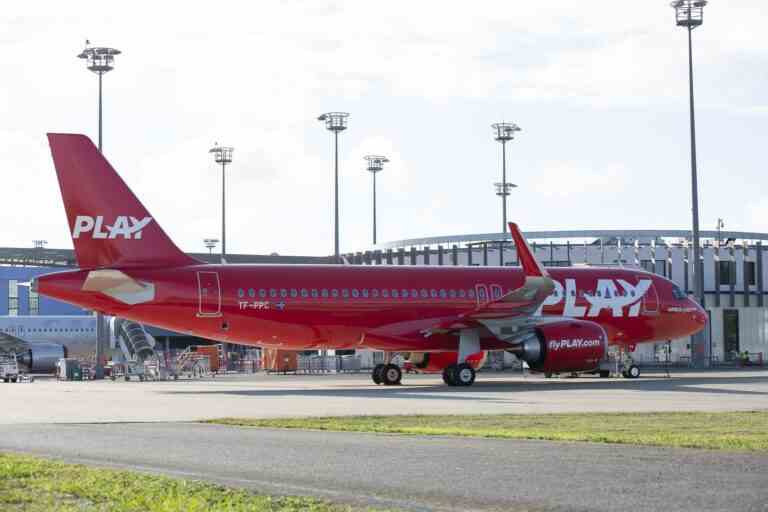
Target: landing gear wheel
x,y
392,375
449,375
633,372
464,375
604,374
376,373
14,379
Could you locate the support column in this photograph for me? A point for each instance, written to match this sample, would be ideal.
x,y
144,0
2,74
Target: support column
x,y
759,272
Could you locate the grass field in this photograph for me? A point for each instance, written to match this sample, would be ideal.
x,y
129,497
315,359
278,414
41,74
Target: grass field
x,y
740,431
39,485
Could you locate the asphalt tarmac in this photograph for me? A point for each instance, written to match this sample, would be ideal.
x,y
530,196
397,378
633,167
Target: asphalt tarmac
x,y
416,473
264,396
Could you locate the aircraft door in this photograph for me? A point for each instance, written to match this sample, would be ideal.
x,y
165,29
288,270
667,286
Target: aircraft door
x,y
209,294
481,293
651,301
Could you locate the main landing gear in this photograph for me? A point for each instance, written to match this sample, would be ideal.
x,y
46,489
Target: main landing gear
x,y
387,374
459,375
462,374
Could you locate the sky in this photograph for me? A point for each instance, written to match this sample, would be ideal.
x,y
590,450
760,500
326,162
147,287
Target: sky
x,y
599,89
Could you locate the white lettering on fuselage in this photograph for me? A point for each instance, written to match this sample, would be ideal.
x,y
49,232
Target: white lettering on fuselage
x,y
605,296
555,345
124,225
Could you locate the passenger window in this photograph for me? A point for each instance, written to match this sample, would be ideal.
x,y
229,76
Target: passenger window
x,y
315,294
385,293
395,295
365,293
462,293
304,293
404,294
375,293
424,293
345,293
414,294
272,293
433,293
443,294
240,292
324,293
283,293
251,292
262,293
452,294
335,293
355,293
294,293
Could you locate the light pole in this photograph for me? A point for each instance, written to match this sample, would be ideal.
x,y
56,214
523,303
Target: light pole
x,y
335,122
375,166
100,60
690,14
223,156
210,243
504,132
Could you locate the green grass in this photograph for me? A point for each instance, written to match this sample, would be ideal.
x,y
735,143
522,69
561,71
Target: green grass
x,y
38,485
738,431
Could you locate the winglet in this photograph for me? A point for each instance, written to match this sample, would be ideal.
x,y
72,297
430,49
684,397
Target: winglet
x,y
530,264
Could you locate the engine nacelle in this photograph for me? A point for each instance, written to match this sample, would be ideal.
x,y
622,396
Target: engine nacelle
x,y
567,346
436,362
42,357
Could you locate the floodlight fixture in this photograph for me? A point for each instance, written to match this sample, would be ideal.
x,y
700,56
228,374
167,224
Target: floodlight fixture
x,y
689,13
211,244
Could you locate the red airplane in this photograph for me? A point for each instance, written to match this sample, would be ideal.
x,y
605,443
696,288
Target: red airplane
x,y
556,319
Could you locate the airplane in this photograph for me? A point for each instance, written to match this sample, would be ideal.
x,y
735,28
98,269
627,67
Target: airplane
x,y
40,341
554,319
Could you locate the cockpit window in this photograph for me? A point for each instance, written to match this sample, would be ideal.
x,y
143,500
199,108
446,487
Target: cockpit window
x,y
677,293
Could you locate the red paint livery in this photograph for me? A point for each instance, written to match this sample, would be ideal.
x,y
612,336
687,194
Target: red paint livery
x,y
130,268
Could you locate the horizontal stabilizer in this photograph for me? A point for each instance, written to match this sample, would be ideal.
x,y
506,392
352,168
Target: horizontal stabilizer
x,y
119,286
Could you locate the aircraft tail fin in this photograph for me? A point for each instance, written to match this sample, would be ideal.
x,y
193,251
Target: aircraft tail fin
x,y
109,225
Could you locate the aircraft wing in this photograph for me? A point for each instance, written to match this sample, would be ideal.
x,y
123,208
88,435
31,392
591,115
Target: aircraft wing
x,y
12,344
516,307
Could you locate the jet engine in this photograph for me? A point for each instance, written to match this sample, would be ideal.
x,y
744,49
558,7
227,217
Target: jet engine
x,y
42,357
566,346
436,362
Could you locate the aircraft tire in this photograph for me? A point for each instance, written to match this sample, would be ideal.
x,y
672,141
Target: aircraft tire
x,y
464,375
604,374
633,372
376,373
392,375
449,375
